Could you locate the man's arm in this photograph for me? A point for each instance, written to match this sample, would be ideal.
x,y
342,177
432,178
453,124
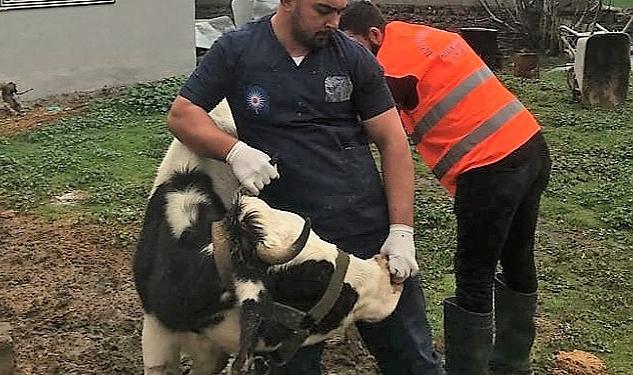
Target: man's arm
x,y
188,118
194,128
397,168
387,132
376,108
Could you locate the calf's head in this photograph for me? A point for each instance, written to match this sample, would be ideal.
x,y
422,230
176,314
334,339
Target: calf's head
x,y
284,240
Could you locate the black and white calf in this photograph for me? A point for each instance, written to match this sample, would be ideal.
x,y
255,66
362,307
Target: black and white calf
x,y
180,158
210,272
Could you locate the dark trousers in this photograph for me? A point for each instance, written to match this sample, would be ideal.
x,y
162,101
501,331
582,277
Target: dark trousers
x,y
402,343
497,209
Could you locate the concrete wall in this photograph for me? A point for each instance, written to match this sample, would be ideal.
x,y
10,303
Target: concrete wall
x,y
79,48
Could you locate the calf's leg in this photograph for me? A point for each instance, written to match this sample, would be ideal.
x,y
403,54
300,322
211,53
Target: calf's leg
x,y
161,349
206,356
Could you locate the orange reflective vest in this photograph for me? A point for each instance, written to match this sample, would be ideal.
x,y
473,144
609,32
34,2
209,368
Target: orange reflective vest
x,y
465,117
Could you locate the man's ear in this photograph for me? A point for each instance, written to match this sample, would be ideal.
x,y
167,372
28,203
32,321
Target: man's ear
x,y
286,4
375,36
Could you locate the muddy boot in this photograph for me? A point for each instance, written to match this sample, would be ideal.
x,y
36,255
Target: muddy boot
x,y
514,331
467,338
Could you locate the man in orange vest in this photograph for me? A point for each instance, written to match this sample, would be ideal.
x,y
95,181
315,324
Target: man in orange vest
x,y
487,150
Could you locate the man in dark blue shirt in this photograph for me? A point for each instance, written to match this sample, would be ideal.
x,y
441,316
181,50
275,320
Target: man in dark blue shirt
x,y
302,91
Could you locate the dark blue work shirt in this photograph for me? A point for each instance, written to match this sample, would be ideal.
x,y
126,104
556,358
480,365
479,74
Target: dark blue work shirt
x,y
309,117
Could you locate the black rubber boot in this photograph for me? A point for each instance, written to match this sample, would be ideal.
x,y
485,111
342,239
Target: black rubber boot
x,y
514,330
467,338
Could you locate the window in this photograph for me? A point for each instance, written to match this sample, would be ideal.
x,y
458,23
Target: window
x,y
22,4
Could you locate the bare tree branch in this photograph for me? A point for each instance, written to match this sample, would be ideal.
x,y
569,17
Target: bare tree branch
x,y
539,20
493,17
595,17
507,12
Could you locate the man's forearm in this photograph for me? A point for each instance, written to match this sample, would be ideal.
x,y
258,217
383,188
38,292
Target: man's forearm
x,y
195,129
397,168
387,132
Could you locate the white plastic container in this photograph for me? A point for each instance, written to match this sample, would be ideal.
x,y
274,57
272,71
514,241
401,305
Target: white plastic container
x,y
247,10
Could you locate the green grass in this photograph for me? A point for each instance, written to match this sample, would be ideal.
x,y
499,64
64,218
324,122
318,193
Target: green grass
x,y
584,239
111,154
619,3
97,157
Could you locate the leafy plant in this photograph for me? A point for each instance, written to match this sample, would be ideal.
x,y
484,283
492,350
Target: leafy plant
x,y
151,97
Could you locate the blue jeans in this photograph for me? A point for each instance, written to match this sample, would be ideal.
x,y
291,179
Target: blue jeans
x,y
402,343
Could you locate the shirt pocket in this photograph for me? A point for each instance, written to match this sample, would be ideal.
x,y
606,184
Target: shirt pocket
x,y
338,87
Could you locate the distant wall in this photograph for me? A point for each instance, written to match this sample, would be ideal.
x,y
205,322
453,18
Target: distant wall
x,y
81,48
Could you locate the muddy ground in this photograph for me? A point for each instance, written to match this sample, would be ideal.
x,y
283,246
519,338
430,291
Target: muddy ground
x,y
66,290
43,111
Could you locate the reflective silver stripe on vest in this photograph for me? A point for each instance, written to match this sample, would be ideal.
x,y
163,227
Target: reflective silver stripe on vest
x,y
473,139
451,100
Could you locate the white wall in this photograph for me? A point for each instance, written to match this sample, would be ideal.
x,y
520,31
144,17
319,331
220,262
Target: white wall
x,y
78,48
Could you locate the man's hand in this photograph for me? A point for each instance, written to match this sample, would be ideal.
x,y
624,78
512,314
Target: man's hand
x,y
251,167
400,251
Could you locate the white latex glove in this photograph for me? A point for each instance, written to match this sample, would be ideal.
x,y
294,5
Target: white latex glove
x,y
251,167
400,251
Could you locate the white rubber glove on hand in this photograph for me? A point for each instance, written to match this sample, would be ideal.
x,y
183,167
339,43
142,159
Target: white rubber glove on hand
x,y
400,252
251,167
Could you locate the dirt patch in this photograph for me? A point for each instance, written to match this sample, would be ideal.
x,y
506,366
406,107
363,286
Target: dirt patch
x,y
68,294
50,109
34,118
346,355
578,363
548,331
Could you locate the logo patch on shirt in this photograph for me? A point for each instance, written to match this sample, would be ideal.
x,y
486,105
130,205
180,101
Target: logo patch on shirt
x,y
338,89
257,100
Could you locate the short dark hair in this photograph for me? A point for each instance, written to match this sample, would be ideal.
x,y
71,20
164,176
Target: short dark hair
x,y
360,16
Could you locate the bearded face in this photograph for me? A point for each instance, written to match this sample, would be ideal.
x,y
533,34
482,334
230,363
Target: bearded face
x,y
312,39
313,22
